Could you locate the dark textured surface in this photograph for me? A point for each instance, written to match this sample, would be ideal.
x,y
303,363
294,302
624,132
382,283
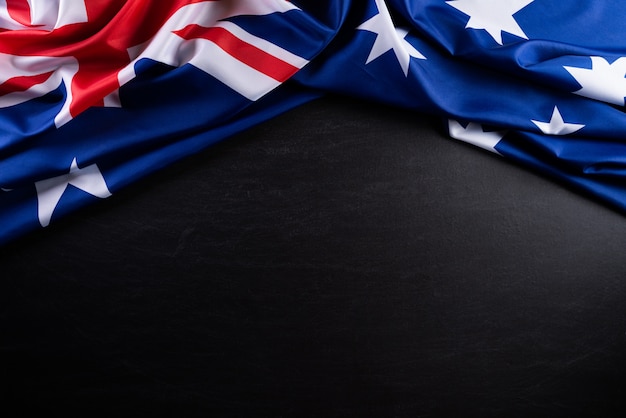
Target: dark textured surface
x,y
343,259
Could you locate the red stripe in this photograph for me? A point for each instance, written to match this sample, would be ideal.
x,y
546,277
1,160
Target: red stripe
x,y
249,54
19,10
22,83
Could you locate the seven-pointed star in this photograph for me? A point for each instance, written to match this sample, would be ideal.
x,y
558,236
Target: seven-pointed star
x,y
474,134
557,126
49,192
603,81
388,37
494,16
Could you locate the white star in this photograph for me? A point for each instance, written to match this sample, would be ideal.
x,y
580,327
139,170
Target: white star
x,y
557,126
389,38
475,135
603,81
50,191
494,16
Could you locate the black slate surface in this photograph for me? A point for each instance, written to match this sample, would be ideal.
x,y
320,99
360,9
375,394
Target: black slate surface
x,y
343,259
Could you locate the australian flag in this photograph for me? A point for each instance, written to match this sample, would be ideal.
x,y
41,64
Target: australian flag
x,y
96,94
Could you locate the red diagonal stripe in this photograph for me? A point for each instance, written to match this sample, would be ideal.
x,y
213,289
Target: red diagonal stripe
x,y
23,83
249,54
19,10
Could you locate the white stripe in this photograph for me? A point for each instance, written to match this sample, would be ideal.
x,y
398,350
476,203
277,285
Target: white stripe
x,y
46,14
270,48
38,90
63,70
53,14
245,80
6,21
259,7
112,99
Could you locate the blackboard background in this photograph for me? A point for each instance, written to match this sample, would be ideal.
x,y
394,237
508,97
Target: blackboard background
x,y
343,259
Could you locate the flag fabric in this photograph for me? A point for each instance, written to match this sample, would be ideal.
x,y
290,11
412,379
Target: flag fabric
x,y
96,94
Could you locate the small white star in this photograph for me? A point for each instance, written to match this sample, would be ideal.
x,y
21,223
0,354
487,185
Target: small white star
x,y
603,81
50,191
557,126
494,16
475,135
388,38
